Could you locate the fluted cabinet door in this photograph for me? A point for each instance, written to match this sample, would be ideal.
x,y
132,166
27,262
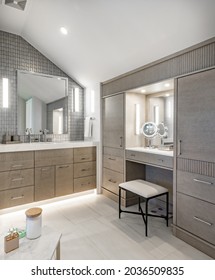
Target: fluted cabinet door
x,y
113,121
196,115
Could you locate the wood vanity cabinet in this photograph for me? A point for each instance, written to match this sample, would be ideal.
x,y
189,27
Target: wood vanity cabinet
x,y
17,178
195,161
84,169
53,173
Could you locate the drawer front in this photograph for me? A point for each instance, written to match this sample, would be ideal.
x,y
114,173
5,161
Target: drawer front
x,y
199,186
53,157
85,183
84,169
111,181
196,216
10,198
113,163
148,158
16,160
113,152
44,183
16,179
64,179
84,154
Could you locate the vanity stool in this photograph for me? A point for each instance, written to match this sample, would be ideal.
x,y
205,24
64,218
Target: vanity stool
x,y
147,191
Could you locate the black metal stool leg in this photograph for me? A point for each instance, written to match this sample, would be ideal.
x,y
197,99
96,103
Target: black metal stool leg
x,y
167,208
120,203
146,218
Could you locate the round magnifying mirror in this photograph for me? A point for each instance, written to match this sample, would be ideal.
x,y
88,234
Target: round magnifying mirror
x,y
149,129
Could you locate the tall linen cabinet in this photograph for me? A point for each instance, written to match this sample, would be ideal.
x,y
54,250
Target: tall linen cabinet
x,y
194,180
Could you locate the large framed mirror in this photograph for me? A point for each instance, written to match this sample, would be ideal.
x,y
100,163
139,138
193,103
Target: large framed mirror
x,y
42,103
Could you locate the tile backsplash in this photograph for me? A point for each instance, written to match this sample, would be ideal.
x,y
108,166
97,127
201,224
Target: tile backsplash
x,y
17,54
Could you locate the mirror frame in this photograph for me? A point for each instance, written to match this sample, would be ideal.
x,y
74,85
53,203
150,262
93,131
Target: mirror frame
x,y
154,131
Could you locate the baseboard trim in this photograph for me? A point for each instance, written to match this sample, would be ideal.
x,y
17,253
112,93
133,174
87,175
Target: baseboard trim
x,y
196,242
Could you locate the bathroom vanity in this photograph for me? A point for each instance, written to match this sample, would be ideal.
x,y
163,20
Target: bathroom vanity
x,y
39,171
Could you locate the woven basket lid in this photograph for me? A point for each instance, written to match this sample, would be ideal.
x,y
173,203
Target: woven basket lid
x,y
33,212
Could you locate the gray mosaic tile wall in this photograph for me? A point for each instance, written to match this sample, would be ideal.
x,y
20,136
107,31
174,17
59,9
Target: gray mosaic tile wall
x,y
17,54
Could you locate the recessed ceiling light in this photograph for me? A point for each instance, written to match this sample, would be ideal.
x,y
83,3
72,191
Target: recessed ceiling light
x,y
64,30
167,85
167,95
143,90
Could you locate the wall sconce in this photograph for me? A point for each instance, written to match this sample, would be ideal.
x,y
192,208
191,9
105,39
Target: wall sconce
x,y
5,92
156,114
137,119
76,101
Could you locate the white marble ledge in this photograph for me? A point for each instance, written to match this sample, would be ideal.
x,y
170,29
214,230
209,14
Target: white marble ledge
x,y
151,151
45,146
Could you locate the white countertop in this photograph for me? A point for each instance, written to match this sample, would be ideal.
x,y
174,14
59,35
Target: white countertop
x,y
151,151
44,146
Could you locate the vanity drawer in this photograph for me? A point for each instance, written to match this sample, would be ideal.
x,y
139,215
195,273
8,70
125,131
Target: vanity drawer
x,y
196,185
150,158
84,154
113,163
85,183
14,197
84,169
111,181
53,157
16,179
196,216
16,160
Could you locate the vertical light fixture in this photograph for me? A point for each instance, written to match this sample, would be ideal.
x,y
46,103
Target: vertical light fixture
x,y
156,114
92,101
5,92
137,119
77,103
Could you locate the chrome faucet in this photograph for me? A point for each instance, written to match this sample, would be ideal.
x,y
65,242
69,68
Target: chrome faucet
x,y
44,132
28,132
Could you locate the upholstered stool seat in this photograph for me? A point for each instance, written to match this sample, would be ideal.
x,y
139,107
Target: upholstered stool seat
x,y
147,191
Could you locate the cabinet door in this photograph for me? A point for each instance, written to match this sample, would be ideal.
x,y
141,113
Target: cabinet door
x,y
64,179
195,116
44,183
113,121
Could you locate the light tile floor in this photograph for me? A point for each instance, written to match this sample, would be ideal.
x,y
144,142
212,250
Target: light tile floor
x,y
91,229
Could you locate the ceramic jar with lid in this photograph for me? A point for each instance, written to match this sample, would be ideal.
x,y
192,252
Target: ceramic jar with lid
x,y
33,222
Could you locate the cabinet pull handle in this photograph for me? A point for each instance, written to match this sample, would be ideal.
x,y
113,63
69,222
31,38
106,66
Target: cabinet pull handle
x,y
63,166
121,141
203,182
160,159
17,179
179,147
83,158
85,169
45,169
132,155
202,221
111,158
17,197
16,165
112,181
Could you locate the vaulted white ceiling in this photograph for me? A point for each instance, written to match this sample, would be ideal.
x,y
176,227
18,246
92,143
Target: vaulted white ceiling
x,y
107,38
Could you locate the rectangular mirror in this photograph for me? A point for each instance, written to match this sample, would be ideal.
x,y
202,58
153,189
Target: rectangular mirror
x,y
42,103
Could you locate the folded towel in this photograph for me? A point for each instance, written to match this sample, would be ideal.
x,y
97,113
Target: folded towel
x,y
88,125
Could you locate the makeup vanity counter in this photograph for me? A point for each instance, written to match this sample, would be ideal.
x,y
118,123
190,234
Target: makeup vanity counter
x,y
150,164
151,156
37,171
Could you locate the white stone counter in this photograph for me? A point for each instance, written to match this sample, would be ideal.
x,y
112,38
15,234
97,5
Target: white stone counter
x,y
44,146
152,151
